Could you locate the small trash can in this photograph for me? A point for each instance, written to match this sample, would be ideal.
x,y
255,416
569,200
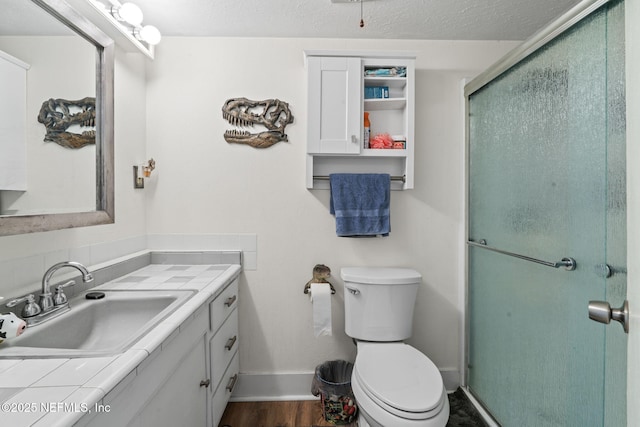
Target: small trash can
x,y
332,381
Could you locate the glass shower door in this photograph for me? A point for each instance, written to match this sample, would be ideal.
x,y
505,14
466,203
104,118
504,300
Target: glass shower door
x,y
547,183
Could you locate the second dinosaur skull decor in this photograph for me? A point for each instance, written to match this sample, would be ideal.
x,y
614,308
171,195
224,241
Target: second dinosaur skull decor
x,y
273,114
57,115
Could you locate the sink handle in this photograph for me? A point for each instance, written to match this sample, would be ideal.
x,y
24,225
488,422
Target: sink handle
x,y
30,308
60,298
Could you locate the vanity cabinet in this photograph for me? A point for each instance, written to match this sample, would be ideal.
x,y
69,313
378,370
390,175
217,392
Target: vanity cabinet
x,y
165,388
182,400
223,350
342,86
188,379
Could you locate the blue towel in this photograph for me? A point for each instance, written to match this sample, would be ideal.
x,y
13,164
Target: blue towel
x,y
360,203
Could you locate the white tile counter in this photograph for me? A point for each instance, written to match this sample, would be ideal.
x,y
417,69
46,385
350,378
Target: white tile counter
x,y
59,392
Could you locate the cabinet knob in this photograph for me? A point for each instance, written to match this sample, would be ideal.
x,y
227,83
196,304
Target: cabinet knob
x,y
205,383
354,139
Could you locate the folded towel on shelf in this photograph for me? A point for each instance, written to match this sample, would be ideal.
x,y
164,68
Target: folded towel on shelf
x,y
360,203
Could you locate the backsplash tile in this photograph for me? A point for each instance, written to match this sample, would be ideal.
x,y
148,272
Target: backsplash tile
x,y
21,276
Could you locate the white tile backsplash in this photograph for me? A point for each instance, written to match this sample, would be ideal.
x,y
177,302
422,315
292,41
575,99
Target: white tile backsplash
x,y
23,275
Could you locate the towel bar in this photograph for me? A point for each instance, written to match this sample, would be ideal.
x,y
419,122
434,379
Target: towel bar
x,y
569,264
402,178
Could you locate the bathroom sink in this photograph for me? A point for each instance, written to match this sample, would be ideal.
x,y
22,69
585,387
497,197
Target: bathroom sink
x,y
97,327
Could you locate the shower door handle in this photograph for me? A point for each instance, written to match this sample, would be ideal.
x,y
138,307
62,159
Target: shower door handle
x,y
601,311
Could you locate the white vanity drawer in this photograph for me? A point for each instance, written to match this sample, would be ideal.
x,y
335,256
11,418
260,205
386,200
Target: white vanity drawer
x,y
223,346
223,393
223,305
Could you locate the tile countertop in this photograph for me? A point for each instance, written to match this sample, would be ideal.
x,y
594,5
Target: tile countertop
x,y
58,392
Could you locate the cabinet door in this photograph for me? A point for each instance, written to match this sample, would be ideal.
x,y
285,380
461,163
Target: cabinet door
x,y
181,401
335,105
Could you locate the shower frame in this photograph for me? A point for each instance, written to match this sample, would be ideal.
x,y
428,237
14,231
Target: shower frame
x,y
539,40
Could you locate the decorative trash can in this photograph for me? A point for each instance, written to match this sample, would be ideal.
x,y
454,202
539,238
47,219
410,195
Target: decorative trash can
x,y
332,381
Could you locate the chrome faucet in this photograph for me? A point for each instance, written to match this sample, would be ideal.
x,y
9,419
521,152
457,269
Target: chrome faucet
x,y
46,299
49,307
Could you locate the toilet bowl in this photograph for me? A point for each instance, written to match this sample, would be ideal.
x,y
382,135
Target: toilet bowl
x,y
394,384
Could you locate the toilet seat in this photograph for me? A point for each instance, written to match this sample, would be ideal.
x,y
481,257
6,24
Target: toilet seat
x,y
399,379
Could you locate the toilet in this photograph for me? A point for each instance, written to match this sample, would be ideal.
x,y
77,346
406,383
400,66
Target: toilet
x,y
394,384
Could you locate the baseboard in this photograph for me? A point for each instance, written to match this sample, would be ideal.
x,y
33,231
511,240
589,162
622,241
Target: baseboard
x,y
270,387
451,379
297,386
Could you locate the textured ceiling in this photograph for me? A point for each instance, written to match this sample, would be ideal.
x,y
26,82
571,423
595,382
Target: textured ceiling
x,y
384,19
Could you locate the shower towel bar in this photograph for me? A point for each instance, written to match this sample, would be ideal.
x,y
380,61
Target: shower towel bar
x,y
569,264
402,178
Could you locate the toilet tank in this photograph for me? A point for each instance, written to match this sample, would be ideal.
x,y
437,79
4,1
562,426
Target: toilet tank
x,y
379,302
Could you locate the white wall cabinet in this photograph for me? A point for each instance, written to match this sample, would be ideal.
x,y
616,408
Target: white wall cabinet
x,y
340,90
335,98
13,119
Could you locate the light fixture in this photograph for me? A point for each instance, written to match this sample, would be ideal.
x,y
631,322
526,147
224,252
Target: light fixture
x,y
129,13
140,172
129,19
149,34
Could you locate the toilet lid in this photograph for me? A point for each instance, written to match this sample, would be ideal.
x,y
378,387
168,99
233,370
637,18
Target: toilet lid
x,y
380,275
399,377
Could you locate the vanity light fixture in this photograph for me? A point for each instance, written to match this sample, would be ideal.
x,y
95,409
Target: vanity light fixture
x,y
140,172
148,34
129,13
128,18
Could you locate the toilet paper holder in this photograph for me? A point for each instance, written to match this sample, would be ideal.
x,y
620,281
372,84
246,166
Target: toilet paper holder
x,y
320,274
307,287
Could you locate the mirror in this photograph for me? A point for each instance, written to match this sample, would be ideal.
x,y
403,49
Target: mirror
x,y
65,57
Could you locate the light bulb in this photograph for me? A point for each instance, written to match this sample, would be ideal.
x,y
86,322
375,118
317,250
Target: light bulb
x,y
150,34
129,13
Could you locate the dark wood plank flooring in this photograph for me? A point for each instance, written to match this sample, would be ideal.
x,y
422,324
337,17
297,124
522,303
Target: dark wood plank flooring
x,y
308,413
299,413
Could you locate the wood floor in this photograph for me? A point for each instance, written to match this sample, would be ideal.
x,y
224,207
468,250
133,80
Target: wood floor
x,y
302,413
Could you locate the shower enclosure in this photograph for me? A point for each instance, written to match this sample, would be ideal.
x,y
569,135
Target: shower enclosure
x,y
547,225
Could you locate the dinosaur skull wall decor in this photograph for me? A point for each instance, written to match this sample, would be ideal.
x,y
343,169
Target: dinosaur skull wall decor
x,y
56,115
273,114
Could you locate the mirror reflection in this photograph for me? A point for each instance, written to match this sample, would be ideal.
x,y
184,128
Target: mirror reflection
x,y
42,60
47,185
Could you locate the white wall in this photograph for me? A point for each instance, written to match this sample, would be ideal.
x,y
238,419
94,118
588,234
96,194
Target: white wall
x,y
204,185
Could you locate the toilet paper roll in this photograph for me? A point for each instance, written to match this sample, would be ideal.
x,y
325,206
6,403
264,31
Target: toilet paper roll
x,y
321,300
